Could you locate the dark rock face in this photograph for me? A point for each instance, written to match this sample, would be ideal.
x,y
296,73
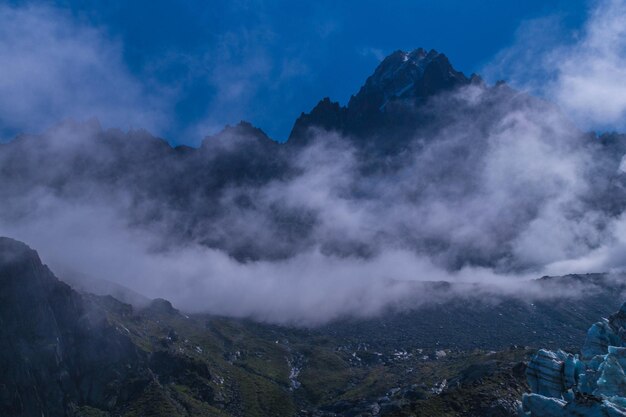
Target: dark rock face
x,y
391,96
54,351
415,75
327,115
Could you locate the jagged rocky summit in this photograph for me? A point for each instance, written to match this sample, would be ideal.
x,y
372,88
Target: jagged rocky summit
x,y
591,384
389,102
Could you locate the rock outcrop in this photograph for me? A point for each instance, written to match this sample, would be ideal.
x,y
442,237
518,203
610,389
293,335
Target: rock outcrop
x,y
590,384
56,352
388,102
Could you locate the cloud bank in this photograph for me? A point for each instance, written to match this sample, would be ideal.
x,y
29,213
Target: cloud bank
x,y
499,188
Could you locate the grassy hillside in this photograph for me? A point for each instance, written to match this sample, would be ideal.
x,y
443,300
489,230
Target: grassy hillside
x,y
430,362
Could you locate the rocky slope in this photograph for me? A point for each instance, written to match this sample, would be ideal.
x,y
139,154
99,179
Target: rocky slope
x,y
56,350
65,353
557,321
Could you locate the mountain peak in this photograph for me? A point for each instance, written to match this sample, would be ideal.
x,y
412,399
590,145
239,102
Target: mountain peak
x,y
406,77
241,131
14,254
417,74
402,63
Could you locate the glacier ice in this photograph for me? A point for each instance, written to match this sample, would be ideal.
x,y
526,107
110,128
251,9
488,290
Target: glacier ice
x,y
592,384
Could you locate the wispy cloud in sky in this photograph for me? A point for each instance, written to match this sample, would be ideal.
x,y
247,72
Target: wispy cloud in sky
x,y
591,73
67,68
53,68
582,71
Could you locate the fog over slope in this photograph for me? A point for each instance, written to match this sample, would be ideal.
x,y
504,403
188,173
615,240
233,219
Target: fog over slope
x,y
452,179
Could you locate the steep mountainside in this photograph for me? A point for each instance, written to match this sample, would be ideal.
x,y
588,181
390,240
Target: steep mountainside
x,y
56,349
465,323
75,354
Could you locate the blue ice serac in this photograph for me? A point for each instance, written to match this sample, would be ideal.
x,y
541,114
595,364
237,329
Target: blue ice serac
x,y
591,384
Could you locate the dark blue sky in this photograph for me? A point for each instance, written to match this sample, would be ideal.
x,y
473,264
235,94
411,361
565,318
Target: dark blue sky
x,y
267,61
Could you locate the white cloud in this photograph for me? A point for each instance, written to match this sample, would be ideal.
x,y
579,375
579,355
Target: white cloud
x,y
53,68
583,71
591,74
